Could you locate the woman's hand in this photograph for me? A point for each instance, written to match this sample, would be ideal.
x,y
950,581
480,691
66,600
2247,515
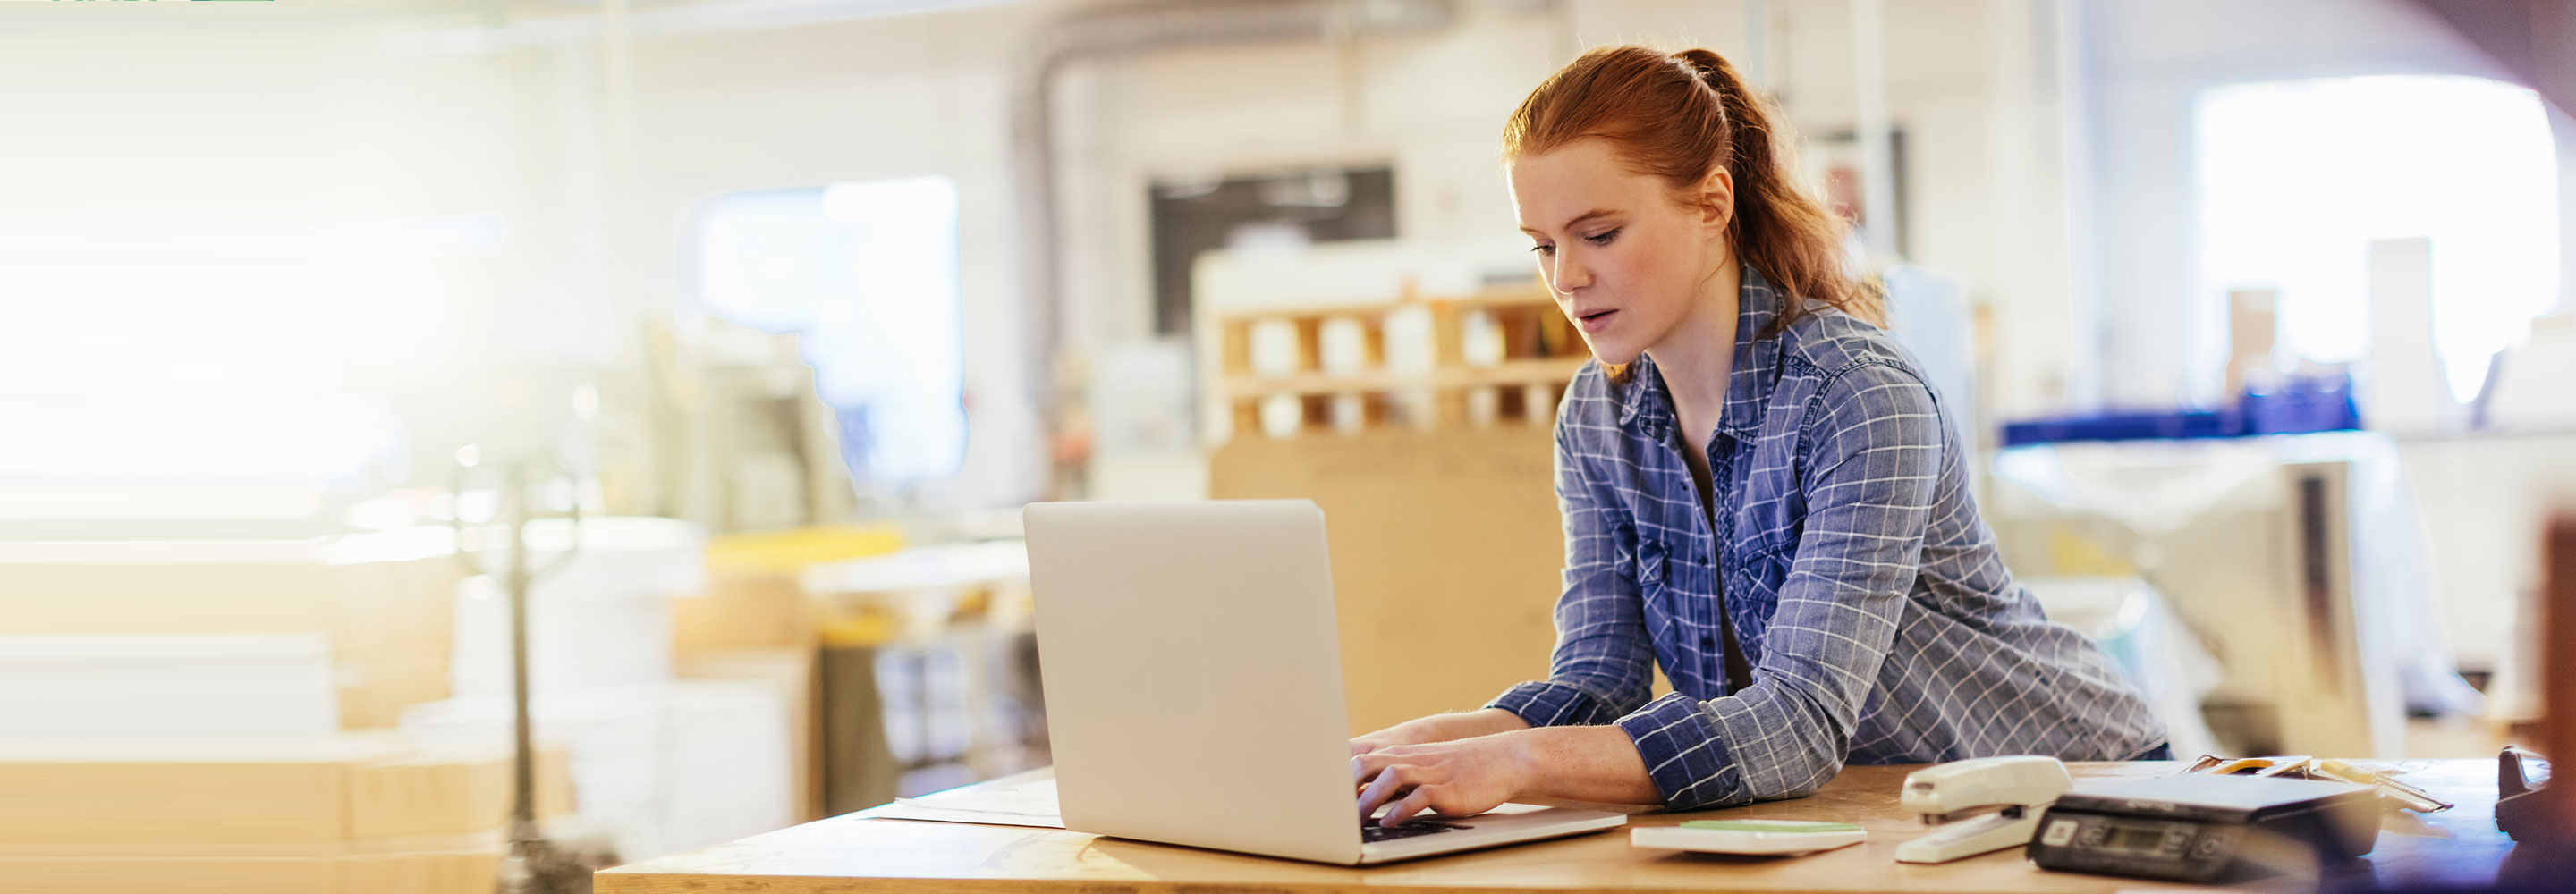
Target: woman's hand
x,y
1439,728
1473,775
1457,778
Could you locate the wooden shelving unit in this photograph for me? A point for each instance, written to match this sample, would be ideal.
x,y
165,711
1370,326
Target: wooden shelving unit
x,y
1498,357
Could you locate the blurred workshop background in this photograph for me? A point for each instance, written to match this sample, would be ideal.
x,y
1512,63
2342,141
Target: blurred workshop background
x,y
754,323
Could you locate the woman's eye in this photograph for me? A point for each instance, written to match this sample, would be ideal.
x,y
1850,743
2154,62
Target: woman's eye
x,y
1604,237
1543,249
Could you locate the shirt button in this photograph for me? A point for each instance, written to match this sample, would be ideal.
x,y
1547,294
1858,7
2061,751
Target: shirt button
x,y
1708,642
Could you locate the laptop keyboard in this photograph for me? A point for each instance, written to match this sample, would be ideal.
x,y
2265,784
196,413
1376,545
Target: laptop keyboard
x,y
1371,832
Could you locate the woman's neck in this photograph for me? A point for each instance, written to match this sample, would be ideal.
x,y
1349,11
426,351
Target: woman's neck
x,y
1696,357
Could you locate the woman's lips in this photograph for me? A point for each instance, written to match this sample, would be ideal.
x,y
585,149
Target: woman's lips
x,y
1598,321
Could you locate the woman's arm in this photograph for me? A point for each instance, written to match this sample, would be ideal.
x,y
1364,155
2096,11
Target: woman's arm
x,y
1603,663
1440,728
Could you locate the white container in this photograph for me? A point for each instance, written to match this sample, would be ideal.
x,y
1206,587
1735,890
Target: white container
x,y
1343,348
1484,405
1480,339
1408,340
1282,415
1538,403
577,640
665,768
602,621
727,772
1350,413
1273,348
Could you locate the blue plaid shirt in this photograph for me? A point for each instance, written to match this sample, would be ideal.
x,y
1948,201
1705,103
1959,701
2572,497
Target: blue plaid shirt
x,y
1865,592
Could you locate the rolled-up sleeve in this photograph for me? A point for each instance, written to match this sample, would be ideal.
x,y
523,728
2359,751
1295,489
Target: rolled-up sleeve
x,y
1873,453
1602,666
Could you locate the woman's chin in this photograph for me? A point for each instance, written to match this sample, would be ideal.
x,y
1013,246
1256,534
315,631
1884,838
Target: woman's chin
x,y
1614,355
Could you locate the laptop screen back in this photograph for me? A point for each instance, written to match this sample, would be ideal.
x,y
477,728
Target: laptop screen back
x,y
1193,674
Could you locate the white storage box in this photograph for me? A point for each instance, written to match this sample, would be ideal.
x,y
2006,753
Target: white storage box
x,y
665,768
601,622
211,686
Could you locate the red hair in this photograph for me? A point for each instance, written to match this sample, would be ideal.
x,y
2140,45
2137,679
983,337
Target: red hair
x,y
1681,117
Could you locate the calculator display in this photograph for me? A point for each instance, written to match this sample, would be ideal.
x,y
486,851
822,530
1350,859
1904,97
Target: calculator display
x,y
2140,839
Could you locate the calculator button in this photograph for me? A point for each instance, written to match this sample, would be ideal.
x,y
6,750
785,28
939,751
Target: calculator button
x,y
2176,839
2058,833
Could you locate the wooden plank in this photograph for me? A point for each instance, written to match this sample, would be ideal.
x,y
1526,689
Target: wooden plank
x,y
1545,370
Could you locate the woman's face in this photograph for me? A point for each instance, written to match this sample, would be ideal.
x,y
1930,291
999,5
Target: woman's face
x,y
1623,258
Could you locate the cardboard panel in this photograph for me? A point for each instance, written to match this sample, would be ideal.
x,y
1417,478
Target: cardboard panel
x,y
436,872
1447,553
744,610
373,694
227,793
445,791
362,793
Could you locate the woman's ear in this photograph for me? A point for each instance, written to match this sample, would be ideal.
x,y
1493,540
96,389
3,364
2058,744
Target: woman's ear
x,y
1717,200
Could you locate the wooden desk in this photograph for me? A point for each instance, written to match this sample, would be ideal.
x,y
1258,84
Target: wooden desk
x,y
847,854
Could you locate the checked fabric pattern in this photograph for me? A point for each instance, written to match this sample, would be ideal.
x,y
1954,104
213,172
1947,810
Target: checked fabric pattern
x,y
1864,590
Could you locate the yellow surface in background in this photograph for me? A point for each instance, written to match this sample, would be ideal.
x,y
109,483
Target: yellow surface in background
x,y
789,551
2070,554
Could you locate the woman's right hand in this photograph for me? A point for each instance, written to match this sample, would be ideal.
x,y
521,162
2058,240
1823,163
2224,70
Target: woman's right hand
x,y
1439,728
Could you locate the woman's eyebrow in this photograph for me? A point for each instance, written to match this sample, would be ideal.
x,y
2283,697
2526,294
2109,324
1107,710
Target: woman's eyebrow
x,y
1579,218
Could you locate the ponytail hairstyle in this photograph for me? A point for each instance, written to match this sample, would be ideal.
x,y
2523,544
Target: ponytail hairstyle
x,y
1680,117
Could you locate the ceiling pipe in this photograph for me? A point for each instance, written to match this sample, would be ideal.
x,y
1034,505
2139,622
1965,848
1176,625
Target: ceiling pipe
x,y
2535,40
1127,31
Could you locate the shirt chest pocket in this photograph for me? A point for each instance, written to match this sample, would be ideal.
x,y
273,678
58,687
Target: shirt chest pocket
x,y
1649,561
1661,589
1674,580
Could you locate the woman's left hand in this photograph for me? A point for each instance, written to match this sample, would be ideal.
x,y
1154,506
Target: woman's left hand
x,y
1459,778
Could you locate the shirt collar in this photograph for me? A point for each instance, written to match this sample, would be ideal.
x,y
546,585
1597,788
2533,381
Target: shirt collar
x,y
1749,377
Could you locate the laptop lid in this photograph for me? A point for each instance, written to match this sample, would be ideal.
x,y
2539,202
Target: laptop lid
x,y
1193,674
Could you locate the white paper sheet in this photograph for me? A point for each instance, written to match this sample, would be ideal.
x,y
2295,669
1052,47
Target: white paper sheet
x,y
1026,799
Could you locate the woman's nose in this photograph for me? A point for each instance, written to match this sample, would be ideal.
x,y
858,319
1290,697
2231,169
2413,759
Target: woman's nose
x,y
1570,272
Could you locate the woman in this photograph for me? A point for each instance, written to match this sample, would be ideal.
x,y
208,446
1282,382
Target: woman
x,y
1760,494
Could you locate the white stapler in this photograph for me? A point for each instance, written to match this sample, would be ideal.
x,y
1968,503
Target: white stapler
x,y
1979,805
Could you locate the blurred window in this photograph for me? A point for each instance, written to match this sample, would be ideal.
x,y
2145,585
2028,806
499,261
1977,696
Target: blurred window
x,y
866,274
246,355
2296,178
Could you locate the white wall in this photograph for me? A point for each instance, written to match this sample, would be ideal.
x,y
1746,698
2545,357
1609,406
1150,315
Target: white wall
x,y
821,103
2147,62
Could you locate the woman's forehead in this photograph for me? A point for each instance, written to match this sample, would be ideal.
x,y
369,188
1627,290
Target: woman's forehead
x,y
1551,188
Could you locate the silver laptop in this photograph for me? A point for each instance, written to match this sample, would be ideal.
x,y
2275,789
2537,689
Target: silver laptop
x,y
1194,686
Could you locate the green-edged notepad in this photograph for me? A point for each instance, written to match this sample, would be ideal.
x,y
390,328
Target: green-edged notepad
x,y
1749,836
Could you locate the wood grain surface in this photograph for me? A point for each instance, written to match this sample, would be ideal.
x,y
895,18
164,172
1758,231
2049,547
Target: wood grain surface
x,y
847,854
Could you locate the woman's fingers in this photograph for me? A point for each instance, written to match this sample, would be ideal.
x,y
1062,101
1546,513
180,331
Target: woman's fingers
x,y
1416,802
1384,787
1364,766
